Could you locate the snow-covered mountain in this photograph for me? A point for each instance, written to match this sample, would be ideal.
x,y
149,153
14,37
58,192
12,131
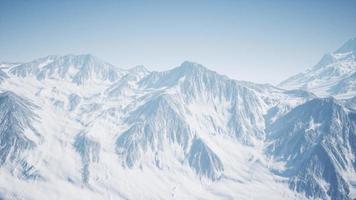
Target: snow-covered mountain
x,y
334,75
77,69
316,142
76,127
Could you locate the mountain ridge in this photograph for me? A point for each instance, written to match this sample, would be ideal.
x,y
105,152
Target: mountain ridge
x,y
187,131
332,75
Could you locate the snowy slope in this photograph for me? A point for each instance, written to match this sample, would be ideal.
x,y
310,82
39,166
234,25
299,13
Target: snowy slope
x,y
99,132
334,75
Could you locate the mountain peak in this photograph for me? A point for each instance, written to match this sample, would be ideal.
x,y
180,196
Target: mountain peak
x,y
191,69
332,75
325,60
188,65
77,68
87,57
349,46
139,69
77,59
83,59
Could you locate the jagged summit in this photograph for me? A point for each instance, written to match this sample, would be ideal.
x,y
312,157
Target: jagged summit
x,y
76,68
332,75
190,69
137,72
187,72
349,46
139,69
189,66
325,60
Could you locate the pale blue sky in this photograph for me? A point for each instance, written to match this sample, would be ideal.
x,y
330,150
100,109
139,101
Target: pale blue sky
x,y
261,41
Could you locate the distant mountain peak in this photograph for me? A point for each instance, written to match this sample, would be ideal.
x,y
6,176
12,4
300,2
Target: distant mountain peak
x,y
332,75
190,66
139,69
77,68
84,59
349,46
325,60
193,69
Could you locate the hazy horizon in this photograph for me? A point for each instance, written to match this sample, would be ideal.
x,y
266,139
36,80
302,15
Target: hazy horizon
x,y
263,42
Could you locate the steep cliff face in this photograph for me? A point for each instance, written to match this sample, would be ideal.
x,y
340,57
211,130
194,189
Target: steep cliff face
x,y
16,118
316,141
191,82
204,161
89,151
155,127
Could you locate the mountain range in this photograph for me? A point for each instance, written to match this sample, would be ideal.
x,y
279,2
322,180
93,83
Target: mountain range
x,y
77,127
